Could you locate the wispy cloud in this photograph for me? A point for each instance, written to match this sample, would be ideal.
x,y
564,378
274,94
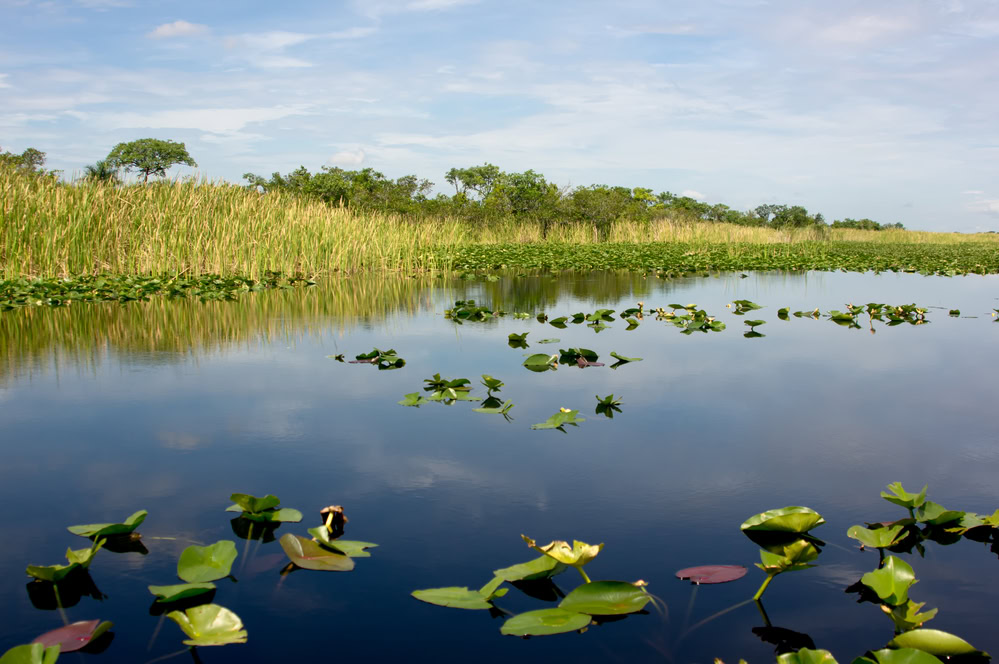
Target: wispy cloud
x,y
179,29
636,30
350,158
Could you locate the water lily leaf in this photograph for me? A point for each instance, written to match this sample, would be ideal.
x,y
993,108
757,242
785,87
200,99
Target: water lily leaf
x,y
462,598
935,642
572,354
413,399
180,591
199,564
282,515
606,598
622,358
877,538
501,410
560,321
892,581
901,497
518,337
32,653
540,362
75,635
908,617
935,514
806,656
793,519
543,567
576,555
108,529
310,555
712,573
247,503
560,419
900,656
544,622
209,625
350,548
78,559
492,384
791,558
548,341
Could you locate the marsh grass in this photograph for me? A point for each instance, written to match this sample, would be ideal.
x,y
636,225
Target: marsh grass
x,y
52,229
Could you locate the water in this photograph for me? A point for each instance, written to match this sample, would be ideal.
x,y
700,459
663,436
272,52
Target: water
x,y
172,406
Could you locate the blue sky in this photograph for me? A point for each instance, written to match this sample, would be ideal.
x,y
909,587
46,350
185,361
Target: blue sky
x,y
885,110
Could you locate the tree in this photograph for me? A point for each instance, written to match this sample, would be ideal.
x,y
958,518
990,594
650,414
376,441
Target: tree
x,y
31,159
101,172
149,156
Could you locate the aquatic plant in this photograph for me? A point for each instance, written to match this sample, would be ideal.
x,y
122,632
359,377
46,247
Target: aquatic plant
x,y
95,530
560,419
209,625
264,509
201,564
783,534
74,636
78,559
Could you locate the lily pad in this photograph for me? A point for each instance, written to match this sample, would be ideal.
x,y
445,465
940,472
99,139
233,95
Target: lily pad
x,y
935,642
109,529
901,497
899,656
75,635
793,519
622,358
560,419
543,567
32,653
540,362
413,399
606,598
806,656
262,509
209,625
892,581
877,538
712,573
500,410
199,564
462,598
80,558
166,594
544,622
310,555
935,514
350,548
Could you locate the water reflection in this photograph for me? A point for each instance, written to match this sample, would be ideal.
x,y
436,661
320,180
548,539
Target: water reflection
x,y
172,406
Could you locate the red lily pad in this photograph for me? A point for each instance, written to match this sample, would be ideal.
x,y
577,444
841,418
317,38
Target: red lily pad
x,y
582,363
712,573
74,636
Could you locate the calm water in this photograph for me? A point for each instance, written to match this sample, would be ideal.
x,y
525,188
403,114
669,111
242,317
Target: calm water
x,y
172,406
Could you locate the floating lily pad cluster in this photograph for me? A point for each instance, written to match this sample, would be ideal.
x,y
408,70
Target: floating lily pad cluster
x,y
383,359
786,543
576,610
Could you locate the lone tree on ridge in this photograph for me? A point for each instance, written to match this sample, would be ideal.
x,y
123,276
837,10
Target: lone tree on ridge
x,y
149,156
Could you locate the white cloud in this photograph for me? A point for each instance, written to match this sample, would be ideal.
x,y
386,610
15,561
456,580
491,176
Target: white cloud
x,y
102,5
213,120
347,158
973,192
178,29
690,193
436,5
865,28
636,30
276,40
3,82
986,205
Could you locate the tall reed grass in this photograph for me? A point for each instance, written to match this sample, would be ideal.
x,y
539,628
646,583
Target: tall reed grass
x,y
53,229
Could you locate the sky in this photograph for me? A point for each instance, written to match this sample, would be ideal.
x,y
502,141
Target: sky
x,y
880,109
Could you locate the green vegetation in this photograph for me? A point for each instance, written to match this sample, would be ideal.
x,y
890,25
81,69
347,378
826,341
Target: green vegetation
x,y
189,229
148,156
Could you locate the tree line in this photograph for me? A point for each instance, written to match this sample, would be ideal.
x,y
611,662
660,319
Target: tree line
x,y
481,193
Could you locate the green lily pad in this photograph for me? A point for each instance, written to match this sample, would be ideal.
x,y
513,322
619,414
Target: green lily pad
x,y
78,559
900,656
180,591
622,358
209,625
548,341
892,581
540,362
499,410
462,598
350,548
901,497
606,598
33,653
413,399
560,419
877,538
543,567
199,564
247,503
793,519
935,514
544,622
310,555
935,642
108,529
806,656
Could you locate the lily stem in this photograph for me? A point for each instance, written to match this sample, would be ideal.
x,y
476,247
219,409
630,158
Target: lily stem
x,y
585,578
766,582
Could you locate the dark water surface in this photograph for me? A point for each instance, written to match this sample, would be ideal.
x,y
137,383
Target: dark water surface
x,y
172,406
